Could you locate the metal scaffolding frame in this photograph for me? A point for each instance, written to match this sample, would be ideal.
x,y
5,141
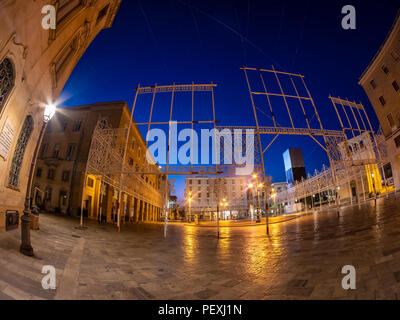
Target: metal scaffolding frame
x,y
343,167
357,148
107,154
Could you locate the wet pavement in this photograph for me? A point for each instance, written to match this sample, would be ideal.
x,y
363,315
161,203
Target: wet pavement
x,y
302,258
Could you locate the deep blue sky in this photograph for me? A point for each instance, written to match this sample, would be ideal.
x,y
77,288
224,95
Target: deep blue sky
x,y
181,41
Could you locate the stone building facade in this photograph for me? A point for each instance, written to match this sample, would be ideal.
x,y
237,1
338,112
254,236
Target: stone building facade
x,y
60,171
241,200
381,82
34,66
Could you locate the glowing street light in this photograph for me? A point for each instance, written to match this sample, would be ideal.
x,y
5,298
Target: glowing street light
x,y
26,247
49,111
190,202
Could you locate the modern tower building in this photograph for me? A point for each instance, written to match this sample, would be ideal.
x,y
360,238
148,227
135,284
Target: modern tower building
x,y
294,165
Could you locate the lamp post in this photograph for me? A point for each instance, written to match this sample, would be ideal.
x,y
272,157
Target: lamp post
x,y
26,247
190,204
273,196
255,177
259,187
250,187
373,185
223,204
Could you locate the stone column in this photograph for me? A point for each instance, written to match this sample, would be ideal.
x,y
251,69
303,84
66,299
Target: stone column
x,y
108,199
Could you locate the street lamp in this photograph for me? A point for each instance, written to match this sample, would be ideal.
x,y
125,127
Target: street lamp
x,y
257,186
190,202
26,247
224,203
373,185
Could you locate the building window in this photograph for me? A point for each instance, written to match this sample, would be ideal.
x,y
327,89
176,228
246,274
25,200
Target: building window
x,y
102,13
133,145
64,124
62,60
7,80
395,56
66,7
90,182
387,169
51,173
43,150
56,151
395,86
48,194
131,162
390,120
39,172
382,100
16,165
65,176
70,151
199,182
397,141
77,126
373,84
63,197
190,181
385,69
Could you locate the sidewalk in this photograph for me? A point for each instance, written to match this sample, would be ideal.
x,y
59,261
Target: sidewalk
x,y
239,223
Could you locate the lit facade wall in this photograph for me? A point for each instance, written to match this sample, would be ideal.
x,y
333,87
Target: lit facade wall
x,y
60,170
234,190
38,64
381,82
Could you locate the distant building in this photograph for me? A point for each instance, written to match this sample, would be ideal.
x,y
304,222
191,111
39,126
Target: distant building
x,y
60,170
381,82
360,150
294,165
279,186
173,207
239,198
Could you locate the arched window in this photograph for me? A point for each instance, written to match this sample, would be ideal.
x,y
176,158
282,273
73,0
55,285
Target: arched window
x,y
26,131
7,80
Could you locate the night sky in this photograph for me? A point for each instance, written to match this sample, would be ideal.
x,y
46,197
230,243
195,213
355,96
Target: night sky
x,y
205,41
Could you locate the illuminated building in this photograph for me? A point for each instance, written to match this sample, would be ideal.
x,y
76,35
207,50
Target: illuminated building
x,y
60,170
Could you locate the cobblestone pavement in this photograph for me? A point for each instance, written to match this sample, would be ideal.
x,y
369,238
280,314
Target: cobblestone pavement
x,y
302,259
